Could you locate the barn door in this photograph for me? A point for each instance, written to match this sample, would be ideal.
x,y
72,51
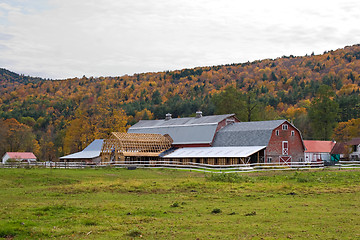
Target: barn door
x,y
285,148
285,160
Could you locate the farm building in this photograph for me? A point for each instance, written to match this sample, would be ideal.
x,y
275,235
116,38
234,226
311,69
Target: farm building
x,y
338,152
318,150
346,150
282,140
19,157
91,154
223,140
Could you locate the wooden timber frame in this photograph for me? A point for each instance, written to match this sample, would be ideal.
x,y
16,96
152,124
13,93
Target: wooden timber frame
x,y
121,147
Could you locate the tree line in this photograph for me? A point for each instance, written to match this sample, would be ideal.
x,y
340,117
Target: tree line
x,y
318,93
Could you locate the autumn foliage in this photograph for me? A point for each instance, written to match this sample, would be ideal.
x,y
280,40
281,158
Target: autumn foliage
x,y
63,116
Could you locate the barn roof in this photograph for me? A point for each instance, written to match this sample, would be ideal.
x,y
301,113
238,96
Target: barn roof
x,y
91,151
175,122
256,133
214,152
314,146
354,141
21,155
339,148
190,130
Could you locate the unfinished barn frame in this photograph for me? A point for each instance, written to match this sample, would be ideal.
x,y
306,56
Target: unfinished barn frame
x,y
121,147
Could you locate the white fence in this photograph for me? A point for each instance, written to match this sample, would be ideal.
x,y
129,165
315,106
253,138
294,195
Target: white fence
x,y
348,164
189,166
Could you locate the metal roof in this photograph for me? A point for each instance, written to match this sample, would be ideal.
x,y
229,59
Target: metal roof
x,y
188,134
214,152
175,122
91,151
21,155
246,133
314,146
191,130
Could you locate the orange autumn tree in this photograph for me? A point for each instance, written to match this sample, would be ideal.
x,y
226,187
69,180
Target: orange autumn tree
x,y
345,131
16,137
87,127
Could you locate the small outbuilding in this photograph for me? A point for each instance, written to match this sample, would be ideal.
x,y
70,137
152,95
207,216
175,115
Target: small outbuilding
x,y
27,157
346,150
318,151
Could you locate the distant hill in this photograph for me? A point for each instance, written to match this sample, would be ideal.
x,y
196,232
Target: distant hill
x,y
271,88
7,76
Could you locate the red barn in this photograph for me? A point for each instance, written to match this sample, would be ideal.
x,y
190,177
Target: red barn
x,y
283,141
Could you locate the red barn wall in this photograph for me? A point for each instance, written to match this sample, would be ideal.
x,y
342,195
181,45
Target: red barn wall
x,y
225,122
295,144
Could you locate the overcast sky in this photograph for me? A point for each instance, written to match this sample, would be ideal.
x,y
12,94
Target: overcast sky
x,y
71,38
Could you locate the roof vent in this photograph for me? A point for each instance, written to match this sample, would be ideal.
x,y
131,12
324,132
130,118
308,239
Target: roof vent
x,y
198,114
168,116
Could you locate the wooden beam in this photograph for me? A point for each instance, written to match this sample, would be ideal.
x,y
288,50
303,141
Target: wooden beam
x,y
134,144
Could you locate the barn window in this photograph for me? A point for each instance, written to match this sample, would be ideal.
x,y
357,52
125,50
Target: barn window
x,y
277,132
285,148
284,127
269,159
292,133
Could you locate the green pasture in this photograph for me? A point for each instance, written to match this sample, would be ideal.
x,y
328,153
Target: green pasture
x,y
172,204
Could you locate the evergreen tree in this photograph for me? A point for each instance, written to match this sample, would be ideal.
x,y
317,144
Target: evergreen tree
x,y
323,113
230,101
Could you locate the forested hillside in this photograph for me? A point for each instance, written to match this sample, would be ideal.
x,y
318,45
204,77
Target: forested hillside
x,y
57,117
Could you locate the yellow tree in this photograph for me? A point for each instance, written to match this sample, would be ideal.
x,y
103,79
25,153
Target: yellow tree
x,y
345,131
144,115
18,136
74,136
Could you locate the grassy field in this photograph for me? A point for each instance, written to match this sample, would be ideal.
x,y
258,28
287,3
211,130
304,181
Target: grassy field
x,y
171,204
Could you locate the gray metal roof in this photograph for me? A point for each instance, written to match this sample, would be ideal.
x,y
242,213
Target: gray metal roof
x,y
188,134
181,121
246,133
189,130
214,152
91,151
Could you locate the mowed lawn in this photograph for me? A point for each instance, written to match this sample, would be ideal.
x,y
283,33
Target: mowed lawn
x,y
172,204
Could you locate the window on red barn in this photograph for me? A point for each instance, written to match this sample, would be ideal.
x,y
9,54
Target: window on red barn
x,y
285,148
284,127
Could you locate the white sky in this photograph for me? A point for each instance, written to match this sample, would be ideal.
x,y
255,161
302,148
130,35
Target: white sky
x,y
72,38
